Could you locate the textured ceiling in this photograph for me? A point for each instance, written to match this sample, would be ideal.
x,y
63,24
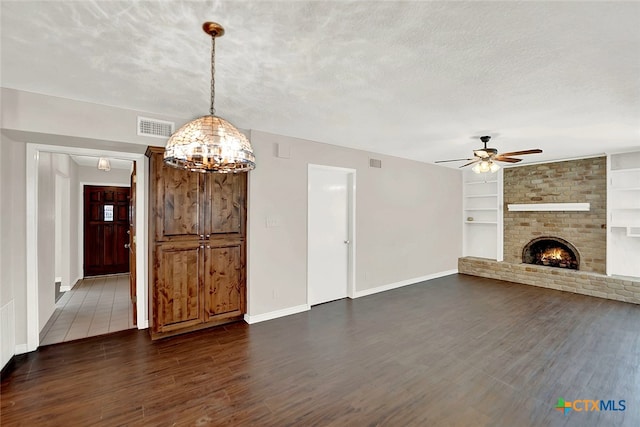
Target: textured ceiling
x,y
411,79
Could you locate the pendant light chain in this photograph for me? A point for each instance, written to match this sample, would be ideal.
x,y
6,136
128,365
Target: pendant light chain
x,y
212,109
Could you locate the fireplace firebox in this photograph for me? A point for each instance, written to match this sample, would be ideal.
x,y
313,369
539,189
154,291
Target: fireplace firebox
x,y
552,252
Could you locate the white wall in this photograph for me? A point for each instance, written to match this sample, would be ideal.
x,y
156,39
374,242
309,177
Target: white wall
x,y
47,166
407,220
92,176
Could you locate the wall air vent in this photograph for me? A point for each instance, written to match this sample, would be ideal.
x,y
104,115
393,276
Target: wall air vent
x,y
375,163
155,128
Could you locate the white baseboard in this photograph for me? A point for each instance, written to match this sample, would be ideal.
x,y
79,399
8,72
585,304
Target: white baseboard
x,y
275,314
68,288
143,325
21,349
7,332
402,283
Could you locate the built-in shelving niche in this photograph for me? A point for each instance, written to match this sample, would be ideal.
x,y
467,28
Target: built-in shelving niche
x,y
482,215
623,214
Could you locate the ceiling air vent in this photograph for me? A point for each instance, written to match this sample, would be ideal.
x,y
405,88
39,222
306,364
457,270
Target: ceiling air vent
x,y
155,128
375,163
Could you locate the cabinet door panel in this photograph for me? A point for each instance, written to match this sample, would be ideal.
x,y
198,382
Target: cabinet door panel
x,y
179,203
177,285
226,204
224,280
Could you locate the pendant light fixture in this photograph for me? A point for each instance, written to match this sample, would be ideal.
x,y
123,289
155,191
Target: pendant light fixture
x,y
104,164
210,143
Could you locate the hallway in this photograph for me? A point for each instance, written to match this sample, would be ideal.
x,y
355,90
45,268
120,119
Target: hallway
x,y
95,306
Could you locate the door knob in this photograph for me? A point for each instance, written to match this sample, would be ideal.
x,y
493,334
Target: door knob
x,y
126,245
346,242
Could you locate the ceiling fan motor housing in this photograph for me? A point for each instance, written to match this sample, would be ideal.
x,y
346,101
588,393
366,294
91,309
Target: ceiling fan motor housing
x,y
485,152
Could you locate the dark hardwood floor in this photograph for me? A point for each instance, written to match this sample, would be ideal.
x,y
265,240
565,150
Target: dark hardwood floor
x,y
455,351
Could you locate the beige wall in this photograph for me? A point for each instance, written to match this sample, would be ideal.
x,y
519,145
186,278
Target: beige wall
x,y
407,219
13,292
50,115
408,213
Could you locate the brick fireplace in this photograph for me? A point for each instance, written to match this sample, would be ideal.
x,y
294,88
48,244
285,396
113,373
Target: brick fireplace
x,y
584,232
578,181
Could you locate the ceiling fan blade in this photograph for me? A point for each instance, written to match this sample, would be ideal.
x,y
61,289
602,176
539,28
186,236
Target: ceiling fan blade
x,y
521,153
470,163
454,160
501,158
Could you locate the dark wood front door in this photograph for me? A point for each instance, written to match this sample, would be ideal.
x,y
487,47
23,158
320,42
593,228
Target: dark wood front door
x,y
106,222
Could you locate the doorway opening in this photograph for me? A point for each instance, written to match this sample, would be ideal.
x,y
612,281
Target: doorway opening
x,y
40,308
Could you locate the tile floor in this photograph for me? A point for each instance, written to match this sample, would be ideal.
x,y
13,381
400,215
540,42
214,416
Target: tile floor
x,y
95,306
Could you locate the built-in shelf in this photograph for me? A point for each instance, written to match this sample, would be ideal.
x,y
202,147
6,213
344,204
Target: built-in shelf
x,y
623,213
625,188
633,231
481,222
479,182
548,207
627,170
482,209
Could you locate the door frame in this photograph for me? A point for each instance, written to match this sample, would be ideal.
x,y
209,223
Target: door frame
x,y
81,212
351,225
32,157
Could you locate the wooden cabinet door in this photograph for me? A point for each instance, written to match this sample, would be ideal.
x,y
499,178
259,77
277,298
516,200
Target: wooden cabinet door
x,y
225,206
178,205
177,286
224,281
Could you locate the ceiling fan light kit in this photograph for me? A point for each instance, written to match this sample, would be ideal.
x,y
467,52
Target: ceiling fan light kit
x,y
484,159
210,143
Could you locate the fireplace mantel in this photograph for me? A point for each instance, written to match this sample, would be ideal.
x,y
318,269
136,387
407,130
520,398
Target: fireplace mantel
x,y
548,207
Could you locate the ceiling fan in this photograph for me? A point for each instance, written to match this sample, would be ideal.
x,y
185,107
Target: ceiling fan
x,y
484,158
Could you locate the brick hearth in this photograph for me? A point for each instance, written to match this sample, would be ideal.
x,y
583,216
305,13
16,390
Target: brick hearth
x,y
599,285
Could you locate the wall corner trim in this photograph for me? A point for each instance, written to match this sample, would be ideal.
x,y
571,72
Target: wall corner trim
x,y
275,314
143,325
402,283
21,349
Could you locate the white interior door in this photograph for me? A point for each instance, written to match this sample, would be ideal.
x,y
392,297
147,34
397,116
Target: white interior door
x,y
328,244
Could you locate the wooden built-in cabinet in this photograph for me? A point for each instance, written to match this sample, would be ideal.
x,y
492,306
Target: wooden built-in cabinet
x,y
198,232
